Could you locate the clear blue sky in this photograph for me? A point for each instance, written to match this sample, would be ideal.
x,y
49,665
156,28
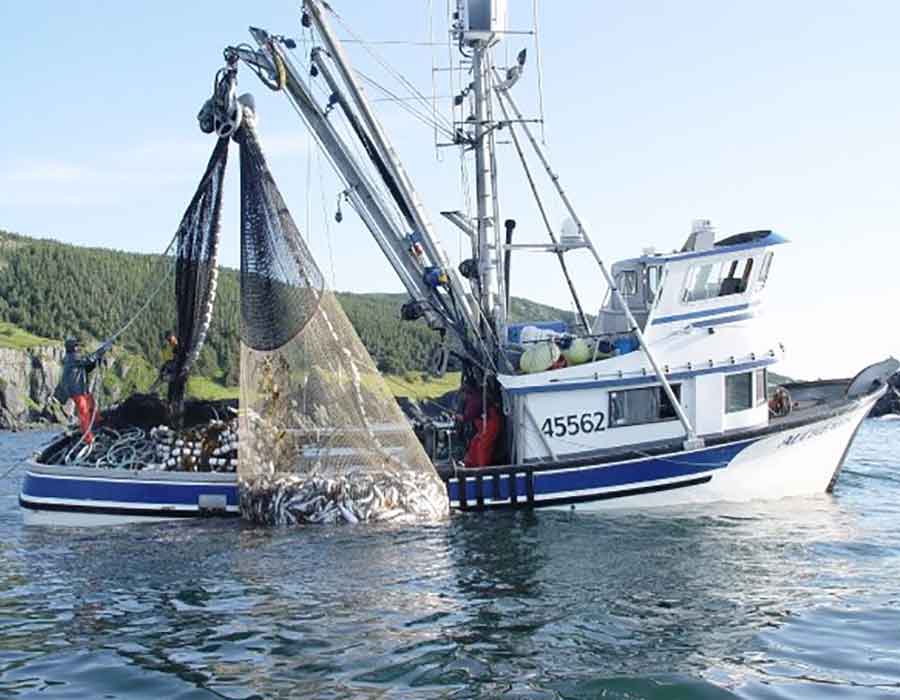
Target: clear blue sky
x,y
755,115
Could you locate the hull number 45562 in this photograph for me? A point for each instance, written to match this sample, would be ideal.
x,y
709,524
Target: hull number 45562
x,y
574,424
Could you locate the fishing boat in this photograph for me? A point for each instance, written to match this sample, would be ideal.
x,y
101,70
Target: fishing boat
x,y
136,470
663,398
63,495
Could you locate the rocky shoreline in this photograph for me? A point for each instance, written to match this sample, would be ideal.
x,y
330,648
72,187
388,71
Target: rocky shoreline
x,y
28,382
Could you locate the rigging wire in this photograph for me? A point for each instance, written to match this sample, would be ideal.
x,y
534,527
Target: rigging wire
x,y
152,296
537,198
351,139
449,316
325,217
540,68
390,42
451,72
429,10
387,66
407,99
402,103
448,303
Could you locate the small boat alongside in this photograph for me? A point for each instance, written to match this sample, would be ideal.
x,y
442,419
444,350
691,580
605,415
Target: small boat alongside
x,y
55,494
136,469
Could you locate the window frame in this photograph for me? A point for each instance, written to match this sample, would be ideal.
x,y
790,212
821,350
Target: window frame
x,y
722,270
760,377
653,288
676,388
751,396
628,283
762,277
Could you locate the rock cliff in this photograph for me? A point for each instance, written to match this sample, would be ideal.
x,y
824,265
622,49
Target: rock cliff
x,y
28,381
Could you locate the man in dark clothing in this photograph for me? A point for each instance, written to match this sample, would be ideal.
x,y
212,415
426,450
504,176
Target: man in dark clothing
x,y
167,358
76,369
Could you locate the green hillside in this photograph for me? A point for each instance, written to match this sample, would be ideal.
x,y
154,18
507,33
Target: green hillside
x,y
51,290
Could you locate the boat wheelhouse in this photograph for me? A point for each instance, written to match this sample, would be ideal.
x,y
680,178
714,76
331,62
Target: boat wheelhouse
x,y
698,310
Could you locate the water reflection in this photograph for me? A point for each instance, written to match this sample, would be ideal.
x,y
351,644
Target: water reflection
x,y
633,593
777,599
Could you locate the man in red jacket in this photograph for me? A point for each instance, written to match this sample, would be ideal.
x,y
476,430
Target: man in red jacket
x,y
480,452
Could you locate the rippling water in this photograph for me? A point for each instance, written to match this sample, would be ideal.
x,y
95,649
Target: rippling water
x,y
789,599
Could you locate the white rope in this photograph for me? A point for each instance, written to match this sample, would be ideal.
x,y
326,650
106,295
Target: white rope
x,y
152,296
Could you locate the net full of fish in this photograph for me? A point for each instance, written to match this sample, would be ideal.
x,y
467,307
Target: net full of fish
x,y
356,497
322,437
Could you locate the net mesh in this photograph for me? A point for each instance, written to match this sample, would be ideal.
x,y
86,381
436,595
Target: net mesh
x,y
196,271
280,282
322,438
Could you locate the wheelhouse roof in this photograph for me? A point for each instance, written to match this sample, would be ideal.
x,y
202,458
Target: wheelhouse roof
x,y
738,242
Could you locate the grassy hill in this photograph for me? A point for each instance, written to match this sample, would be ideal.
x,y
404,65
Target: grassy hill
x,y
49,290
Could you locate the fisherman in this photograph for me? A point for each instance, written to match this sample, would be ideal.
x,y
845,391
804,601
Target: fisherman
x,y
167,369
167,356
76,369
479,425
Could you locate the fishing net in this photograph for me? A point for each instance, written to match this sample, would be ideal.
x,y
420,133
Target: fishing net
x,y
322,439
196,273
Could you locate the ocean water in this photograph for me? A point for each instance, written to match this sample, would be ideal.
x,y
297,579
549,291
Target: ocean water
x,y
797,598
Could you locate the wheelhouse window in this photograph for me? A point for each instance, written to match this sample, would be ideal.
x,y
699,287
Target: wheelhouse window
x,y
653,277
718,279
639,406
760,387
764,271
738,392
627,283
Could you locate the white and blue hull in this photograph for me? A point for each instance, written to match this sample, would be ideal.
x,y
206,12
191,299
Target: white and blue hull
x,y
800,460
62,495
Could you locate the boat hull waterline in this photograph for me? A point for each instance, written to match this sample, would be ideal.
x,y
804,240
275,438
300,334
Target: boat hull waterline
x,y
65,495
799,460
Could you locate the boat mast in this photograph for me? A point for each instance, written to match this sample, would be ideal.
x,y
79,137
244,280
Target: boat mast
x,y
474,29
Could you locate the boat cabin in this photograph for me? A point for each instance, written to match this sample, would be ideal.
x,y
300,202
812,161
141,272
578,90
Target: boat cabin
x,y
696,309
703,279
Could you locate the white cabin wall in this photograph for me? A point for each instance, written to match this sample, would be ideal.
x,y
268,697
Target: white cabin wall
x,y
646,432
709,404
560,404
750,418
587,404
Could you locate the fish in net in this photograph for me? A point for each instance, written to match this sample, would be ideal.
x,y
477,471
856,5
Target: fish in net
x,y
321,437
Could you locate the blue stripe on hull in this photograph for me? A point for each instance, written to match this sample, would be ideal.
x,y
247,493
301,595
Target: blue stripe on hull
x,y
611,475
120,491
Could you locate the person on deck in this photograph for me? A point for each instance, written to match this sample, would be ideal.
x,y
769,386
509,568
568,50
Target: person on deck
x,y
168,356
480,425
76,369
